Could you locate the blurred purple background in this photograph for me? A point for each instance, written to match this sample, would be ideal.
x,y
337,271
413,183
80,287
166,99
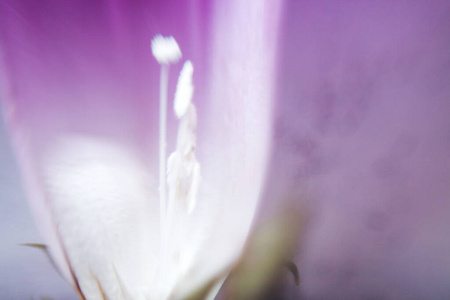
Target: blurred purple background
x,y
363,137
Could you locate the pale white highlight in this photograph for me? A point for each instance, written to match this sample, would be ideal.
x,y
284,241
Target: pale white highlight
x,y
185,89
100,197
165,49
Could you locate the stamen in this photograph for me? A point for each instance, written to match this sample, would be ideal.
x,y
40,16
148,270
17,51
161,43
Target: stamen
x,y
185,90
183,174
183,169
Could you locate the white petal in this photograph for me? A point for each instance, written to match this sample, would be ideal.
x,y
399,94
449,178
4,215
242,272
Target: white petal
x,y
233,150
100,197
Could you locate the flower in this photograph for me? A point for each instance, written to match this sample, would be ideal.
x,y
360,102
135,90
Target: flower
x,y
79,91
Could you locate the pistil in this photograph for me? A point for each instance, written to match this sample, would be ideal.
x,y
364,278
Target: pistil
x,y
166,51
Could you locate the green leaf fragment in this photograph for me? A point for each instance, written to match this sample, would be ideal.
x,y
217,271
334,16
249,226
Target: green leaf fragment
x,y
260,268
37,246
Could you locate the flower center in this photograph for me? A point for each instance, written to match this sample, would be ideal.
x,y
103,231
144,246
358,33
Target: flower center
x,y
183,169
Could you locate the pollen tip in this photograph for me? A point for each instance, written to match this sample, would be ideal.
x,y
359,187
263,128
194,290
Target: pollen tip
x,y
185,89
165,49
